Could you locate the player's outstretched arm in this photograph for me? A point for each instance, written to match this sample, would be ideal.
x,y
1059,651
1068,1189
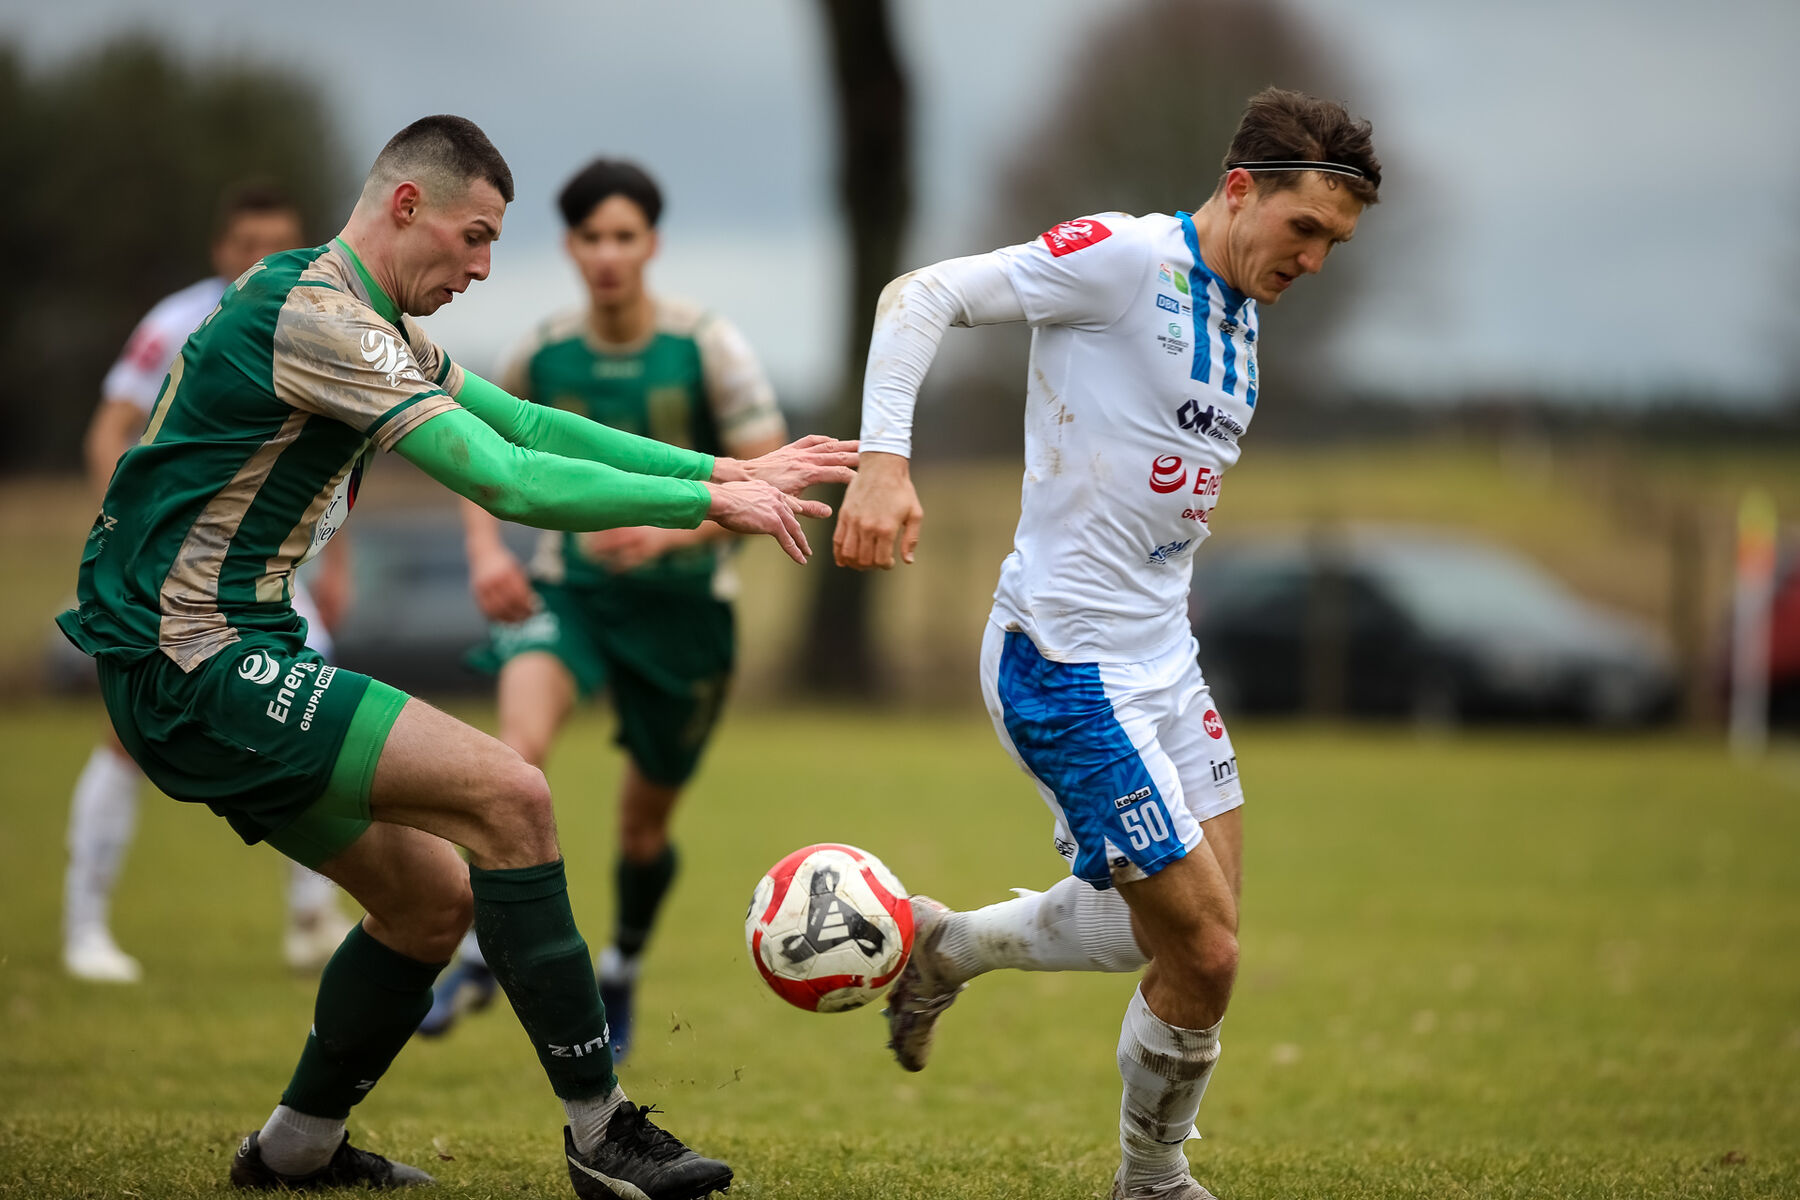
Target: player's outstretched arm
x,y
910,320
552,492
793,468
567,435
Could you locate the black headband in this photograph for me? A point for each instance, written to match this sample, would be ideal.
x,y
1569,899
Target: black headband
x,y
1329,168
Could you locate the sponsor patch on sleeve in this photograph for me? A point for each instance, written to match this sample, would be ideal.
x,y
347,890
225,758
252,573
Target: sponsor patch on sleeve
x,y
1071,236
147,349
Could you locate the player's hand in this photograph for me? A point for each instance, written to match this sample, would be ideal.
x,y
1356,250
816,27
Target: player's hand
x,y
753,506
795,467
502,591
881,503
627,549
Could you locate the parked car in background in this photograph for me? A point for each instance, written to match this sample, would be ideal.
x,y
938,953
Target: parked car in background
x,y
412,621
1378,622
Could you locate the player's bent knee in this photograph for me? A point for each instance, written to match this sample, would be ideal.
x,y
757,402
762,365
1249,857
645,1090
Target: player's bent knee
x,y
1208,960
522,819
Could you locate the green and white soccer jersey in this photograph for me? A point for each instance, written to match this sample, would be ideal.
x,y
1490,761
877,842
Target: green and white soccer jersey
x,y
250,463
692,382
659,638
252,459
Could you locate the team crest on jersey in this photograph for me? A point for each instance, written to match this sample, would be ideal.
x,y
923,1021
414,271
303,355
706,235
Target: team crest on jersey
x,y
1071,236
1166,553
386,356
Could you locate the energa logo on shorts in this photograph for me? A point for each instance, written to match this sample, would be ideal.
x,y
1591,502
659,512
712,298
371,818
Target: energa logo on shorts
x,y
258,667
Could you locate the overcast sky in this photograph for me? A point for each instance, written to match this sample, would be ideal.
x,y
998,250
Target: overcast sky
x,y
1610,204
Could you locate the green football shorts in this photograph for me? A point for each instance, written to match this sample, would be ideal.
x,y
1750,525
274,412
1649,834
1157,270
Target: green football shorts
x,y
665,655
266,734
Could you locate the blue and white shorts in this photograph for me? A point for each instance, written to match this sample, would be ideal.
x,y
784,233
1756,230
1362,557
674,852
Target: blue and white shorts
x,y
1130,757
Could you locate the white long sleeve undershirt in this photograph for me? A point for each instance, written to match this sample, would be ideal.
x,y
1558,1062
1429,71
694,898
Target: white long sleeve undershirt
x,y
910,320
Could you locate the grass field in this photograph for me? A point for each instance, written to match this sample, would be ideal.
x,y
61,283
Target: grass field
x,y
1500,965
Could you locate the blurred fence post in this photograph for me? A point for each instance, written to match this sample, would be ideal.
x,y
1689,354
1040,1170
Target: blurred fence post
x,y
1750,624
1687,630
1327,638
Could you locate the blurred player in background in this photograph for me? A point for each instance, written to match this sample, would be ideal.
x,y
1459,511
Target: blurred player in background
x,y
642,613
1143,378
254,220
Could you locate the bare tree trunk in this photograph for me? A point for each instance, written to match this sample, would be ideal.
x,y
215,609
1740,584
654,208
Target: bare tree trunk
x,y
874,188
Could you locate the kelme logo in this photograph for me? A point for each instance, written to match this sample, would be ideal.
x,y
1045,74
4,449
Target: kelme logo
x,y
258,667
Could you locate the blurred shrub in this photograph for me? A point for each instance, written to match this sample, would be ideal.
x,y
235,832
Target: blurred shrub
x,y
117,160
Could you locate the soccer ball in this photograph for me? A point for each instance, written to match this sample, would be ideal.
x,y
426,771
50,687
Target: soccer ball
x,y
829,927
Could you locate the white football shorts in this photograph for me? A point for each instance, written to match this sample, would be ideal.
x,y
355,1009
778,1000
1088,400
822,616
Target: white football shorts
x,y
1130,757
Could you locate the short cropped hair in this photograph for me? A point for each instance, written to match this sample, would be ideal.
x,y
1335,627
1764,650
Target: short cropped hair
x,y
443,150
602,179
251,196
1280,125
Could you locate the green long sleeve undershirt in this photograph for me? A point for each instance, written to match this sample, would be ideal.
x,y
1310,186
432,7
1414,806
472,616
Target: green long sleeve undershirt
x,y
540,427
547,489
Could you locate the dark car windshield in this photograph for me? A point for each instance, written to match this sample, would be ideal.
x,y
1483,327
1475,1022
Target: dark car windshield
x,y
1456,588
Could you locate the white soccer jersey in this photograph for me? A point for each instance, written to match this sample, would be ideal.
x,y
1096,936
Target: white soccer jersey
x,y
138,375
1142,379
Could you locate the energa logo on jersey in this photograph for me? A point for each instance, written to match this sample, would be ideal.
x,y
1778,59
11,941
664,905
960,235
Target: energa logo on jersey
x,y
385,355
337,509
259,668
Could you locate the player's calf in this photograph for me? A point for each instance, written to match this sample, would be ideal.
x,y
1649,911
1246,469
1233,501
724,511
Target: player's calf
x,y
1165,1069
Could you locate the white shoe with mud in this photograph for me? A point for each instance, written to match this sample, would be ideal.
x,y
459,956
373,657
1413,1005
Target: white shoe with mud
x,y
1181,1187
923,991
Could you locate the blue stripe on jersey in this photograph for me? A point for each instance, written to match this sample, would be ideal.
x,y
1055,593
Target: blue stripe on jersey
x,y
1232,302
1250,392
1063,725
1202,369
1231,371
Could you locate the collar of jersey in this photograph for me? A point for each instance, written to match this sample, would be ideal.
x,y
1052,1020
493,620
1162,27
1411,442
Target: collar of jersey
x,y
1234,299
378,299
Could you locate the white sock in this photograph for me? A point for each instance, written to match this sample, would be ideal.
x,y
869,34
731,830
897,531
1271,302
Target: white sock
x,y
469,951
1165,1069
588,1118
614,967
1071,927
310,895
102,818
296,1144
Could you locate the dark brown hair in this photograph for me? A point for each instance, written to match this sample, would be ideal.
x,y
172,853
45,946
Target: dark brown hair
x,y
451,147
604,178
251,196
1279,125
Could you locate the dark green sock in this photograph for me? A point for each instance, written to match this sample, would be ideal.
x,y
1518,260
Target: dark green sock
x,y
642,886
529,938
370,1000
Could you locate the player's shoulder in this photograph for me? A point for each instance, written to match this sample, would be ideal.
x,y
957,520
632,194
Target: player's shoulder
x,y
557,329
1112,237
678,316
180,311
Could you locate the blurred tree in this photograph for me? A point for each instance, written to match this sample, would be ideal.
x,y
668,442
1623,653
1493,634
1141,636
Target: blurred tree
x,y
875,191
117,162
1151,101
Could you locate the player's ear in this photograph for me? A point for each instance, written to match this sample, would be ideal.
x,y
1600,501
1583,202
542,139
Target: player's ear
x,y
405,203
655,243
1240,186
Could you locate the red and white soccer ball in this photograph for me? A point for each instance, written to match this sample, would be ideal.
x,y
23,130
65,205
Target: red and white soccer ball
x,y
829,927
